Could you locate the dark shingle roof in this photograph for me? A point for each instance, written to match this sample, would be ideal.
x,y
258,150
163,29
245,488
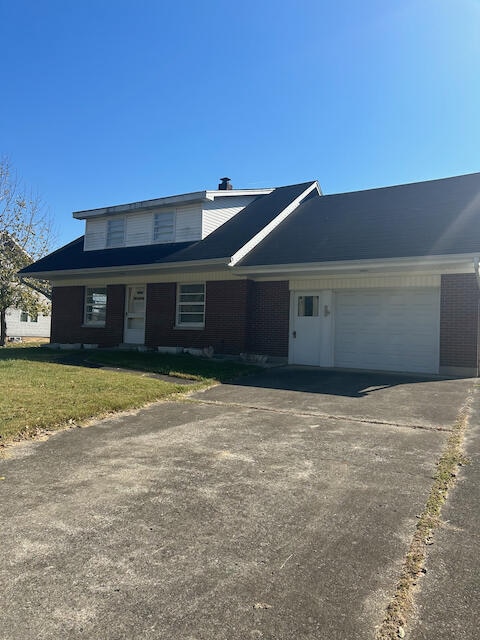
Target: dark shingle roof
x,y
222,243
438,217
237,231
72,256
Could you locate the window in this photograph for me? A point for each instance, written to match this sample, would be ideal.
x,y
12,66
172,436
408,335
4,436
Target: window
x,y
95,305
116,232
307,306
191,305
24,317
164,227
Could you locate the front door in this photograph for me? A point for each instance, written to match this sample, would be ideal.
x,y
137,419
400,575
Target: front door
x,y
311,328
135,315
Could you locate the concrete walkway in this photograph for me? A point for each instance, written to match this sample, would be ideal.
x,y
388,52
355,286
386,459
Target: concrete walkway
x,y
278,508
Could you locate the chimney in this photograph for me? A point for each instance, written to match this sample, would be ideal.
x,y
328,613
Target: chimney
x,y
225,184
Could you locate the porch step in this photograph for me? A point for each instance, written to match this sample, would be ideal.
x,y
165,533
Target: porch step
x,y
126,346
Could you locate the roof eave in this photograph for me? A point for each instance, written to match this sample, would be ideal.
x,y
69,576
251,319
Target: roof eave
x,y
166,267
464,262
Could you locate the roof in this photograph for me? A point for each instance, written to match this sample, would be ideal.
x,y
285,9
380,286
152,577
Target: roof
x,y
433,218
221,243
72,256
231,236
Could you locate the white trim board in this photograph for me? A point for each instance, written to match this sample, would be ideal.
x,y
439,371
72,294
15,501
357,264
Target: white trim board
x,y
261,235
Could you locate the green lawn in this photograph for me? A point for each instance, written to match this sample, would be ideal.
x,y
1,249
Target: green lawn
x,y
40,391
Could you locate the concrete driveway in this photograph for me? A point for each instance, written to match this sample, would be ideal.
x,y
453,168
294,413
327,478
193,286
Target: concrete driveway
x,y
280,508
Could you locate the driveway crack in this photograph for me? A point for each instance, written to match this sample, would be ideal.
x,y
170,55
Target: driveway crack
x,y
316,414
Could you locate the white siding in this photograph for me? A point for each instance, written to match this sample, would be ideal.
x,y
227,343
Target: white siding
x,y
139,229
220,210
192,222
95,234
15,328
188,223
366,282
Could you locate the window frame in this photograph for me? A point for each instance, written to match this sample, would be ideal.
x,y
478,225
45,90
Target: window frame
x,y
94,323
303,307
156,214
108,239
179,303
23,316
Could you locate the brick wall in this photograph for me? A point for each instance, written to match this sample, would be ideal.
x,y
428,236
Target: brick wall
x,y
269,318
226,310
239,316
68,316
459,321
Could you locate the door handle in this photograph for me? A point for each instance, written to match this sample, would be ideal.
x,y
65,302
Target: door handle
x,y
294,334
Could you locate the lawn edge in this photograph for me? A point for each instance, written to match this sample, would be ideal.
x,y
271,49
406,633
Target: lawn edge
x,y
44,433
402,604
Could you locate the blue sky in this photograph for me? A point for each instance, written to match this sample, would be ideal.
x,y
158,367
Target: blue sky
x,y
112,101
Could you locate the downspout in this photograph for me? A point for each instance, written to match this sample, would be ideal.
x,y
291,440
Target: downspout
x,y
476,267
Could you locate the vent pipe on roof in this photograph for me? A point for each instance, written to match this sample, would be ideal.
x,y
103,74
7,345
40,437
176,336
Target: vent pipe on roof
x,y
225,184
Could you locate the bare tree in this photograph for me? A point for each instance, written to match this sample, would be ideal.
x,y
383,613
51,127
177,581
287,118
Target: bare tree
x,y
25,236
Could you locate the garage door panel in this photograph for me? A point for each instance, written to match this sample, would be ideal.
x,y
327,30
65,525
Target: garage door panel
x,y
393,330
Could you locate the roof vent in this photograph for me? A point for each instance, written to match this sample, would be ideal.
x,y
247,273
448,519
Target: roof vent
x,y
225,184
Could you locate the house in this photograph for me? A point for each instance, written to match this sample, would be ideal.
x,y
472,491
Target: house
x,y
382,279
25,304
20,324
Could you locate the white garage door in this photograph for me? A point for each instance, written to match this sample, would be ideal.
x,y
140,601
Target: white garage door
x,y
388,329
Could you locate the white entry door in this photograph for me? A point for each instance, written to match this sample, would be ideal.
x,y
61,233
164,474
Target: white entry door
x,y
134,332
311,328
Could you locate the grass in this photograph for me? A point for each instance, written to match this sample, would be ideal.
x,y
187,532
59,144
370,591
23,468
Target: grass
x,y
402,603
180,366
40,392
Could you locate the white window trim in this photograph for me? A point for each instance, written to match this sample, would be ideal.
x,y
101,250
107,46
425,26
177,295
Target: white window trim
x,y
90,323
174,231
189,325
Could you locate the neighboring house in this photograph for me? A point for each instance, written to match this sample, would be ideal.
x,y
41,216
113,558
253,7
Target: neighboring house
x,y
22,325
382,279
19,323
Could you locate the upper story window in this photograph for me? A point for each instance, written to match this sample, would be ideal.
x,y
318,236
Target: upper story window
x,y
164,226
116,232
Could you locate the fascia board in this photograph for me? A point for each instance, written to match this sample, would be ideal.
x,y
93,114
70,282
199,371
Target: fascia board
x,y
143,205
263,233
425,262
136,268
211,195
146,205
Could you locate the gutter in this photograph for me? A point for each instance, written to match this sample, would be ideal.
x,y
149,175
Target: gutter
x,y
125,268
363,266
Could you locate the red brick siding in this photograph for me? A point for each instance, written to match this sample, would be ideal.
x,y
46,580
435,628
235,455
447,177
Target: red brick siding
x,y
269,318
68,316
459,320
239,316
226,310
